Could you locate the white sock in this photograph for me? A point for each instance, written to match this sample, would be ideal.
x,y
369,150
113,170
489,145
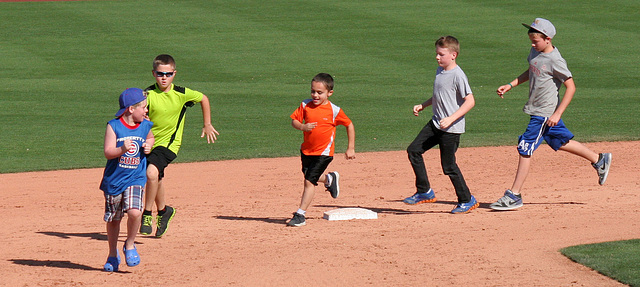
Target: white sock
x,y
300,211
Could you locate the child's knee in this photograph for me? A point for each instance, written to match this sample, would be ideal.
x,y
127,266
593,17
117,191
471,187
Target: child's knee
x,y
134,213
152,172
311,181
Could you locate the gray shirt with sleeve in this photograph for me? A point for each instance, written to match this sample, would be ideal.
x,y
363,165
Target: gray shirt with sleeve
x,y
449,90
547,72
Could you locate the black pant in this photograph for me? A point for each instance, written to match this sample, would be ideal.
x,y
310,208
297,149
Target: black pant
x,y
429,137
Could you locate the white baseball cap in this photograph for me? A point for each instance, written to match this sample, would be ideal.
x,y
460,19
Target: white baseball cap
x,y
543,26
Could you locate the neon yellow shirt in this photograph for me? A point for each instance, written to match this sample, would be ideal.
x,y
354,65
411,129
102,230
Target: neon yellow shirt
x,y
167,112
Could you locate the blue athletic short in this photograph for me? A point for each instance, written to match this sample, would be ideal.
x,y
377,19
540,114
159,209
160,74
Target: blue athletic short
x,y
538,130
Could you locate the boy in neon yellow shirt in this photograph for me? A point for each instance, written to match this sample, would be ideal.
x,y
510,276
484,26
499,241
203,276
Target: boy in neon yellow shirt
x,y
168,104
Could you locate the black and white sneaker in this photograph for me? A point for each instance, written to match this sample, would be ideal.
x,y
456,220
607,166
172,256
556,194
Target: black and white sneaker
x,y
602,167
297,220
333,184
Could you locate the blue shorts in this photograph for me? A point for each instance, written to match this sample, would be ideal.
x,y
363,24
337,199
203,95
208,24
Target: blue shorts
x,y
555,136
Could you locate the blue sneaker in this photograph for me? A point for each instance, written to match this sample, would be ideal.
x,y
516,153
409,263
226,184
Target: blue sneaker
x,y
418,198
508,202
466,207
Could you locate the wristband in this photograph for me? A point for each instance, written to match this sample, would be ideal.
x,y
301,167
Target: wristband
x,y
510,84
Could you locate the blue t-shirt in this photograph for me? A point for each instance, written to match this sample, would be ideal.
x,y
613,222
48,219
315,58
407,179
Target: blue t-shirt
x,y
130,168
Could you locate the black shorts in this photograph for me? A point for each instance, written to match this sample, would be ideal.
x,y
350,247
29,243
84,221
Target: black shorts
x,y
313,166
160,157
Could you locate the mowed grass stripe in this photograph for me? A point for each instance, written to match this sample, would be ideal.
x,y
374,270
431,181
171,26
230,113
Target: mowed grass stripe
x,y
66,62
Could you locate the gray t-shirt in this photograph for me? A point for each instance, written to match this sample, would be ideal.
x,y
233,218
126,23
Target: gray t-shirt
x,y
449,90
547,72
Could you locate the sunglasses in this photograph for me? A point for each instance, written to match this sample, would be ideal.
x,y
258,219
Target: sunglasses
x,y
161,74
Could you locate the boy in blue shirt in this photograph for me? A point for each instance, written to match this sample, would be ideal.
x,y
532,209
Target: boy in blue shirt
x,y
127,137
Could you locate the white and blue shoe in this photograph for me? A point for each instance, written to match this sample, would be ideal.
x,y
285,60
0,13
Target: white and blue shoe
x,y
602,167
508,202
466,207
417,198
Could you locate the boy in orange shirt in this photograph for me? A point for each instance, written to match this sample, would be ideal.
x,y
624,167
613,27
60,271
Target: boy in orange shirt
x,y
317,118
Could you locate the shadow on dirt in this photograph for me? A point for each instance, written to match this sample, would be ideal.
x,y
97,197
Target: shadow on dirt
x,y
56,264
381,210
274,220
91,235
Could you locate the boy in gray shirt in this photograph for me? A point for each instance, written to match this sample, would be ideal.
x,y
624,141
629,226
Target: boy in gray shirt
x,y
546,74
452,99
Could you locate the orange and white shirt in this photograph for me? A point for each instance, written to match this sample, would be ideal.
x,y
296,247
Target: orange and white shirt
x,y
320,140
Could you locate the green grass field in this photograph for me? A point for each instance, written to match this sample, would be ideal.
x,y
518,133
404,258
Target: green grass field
x,y
65,63
618,260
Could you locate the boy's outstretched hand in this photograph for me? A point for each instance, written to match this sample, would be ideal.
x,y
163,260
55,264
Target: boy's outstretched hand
x,y
210,132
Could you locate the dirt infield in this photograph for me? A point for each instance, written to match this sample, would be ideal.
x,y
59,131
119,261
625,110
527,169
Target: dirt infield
x,y
229,228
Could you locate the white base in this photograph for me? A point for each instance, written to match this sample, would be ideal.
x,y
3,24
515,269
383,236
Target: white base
x,y
350,213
